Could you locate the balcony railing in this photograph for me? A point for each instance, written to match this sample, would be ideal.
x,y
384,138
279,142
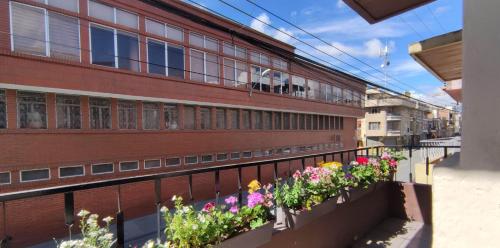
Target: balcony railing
x,y
68,190
393,117
393,132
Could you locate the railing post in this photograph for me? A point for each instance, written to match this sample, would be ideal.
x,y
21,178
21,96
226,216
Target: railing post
x,y
190,189
158,208
377,153
324,158
367,152
69,211
240,188
427,165
445,152
259,174
217,187
342,157
303,163
314,163
120,223
275,170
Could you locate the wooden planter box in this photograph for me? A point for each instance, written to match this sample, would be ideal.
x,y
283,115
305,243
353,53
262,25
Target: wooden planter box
x,y
354,194
297,219
250,239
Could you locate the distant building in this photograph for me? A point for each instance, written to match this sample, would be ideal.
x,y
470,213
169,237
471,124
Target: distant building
x,y
392,120
442,123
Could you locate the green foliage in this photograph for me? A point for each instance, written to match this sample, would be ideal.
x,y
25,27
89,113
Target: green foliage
x,y
93,235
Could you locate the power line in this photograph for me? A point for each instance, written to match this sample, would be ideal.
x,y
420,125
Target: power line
x,y
411,27
293,37
421,21
435,18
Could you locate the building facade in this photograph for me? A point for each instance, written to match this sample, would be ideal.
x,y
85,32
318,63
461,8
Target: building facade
x,y
95,90
392,120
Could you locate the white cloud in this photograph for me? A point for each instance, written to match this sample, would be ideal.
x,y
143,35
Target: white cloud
x,y
369,49
340,4
407,66
293,13
357,28
441,10
283,35
260,22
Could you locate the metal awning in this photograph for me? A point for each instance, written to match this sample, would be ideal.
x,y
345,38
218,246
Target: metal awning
x,y
377,10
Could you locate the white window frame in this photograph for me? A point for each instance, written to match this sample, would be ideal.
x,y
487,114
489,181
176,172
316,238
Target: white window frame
x,y
115,41
271,90
102,173
152,159
205,162
37,180
205,41
189,156
121,162
17,110
173,165
204,66
46,2
166,44
114,13
231,155
243,153
10,178
81,119
217,156
70,166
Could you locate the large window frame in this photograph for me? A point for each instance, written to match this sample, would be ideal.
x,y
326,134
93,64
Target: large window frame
x,y
43,119
168,70
234,67
114,18
68,108
259,78
205,74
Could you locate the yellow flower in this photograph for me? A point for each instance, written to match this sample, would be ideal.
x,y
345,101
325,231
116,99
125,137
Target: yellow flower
x,y
332,165
253,186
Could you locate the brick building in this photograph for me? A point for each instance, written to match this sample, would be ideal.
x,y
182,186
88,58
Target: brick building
x,y
95,90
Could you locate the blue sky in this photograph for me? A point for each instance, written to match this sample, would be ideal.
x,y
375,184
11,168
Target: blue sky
x,y
336,23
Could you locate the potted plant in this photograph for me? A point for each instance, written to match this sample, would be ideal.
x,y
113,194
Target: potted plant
x,y
389,162
361,178
226,225
307,196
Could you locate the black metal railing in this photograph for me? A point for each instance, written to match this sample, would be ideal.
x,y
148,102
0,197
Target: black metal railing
x,y
68,190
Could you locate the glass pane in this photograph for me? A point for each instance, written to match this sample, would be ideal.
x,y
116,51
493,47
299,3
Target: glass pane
x,y
206,118
128,51
258,119
189,117
101,11
268,120
235,155
102,168
4,177
241,52
246,119
171,117
126,19
315,122
102,46
293,119
212,65
175,33
72,171
28,28
302,121
277,121
241,73
151,115
35,175
286,121
31,110
207,158
191,160
127,115
221,118
156,28
71,5
64,37
196,40
299,86
128,166
222,156
100,113
280,81
228,48
255,57
68,112
264,59
156,57
175,61
148,164
255,77
235,119
313,89
173,161
229,72
197,66
211,44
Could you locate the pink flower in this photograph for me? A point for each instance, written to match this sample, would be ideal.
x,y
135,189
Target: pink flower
x,y
393,163
231,200
208,207
255,199
314,178
296,175
386,156
234,209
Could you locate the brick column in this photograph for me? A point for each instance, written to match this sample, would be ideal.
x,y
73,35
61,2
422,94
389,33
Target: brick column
x,y
11,98
51,111
84,33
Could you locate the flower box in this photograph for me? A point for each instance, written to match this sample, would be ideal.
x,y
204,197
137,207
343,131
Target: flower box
x,y
296,219
354,194
251,239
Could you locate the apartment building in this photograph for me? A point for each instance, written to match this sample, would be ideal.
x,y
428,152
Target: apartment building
x,y
96,90
392,120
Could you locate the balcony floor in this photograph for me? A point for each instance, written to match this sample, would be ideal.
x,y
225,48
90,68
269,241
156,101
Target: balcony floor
x,y
397,233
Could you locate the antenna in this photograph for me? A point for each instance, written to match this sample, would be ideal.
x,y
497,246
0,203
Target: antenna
x,y
384,54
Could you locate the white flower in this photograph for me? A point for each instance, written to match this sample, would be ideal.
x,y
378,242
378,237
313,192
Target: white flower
x,y
83,213
195,227
108,219
174,198
164,209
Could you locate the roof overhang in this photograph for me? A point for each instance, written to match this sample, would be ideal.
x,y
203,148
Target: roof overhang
x,y
374,11
440,55
456,94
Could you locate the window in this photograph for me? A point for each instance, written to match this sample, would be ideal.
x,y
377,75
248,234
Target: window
x,y
277,121
280,82
173,161
100,113
70,5
34,175
326,93
313,90
3,110
337,123
189,117
286,121
164,30
321,123
114,15
258,119
332,122
268,120
246,154
234,50
374,126
204,67
302,122
235,119
106,168
298,85
280,64
68,112
171,117
5,178
257,154
221,118
127,114
337,94
204,41
222,156
308,122
375,110
126,53
245,114
40,32
235,155
260,78
165,59
341,123
207,158
235,73
190,160
357,98
206,118
71,171
348,96
259,58
31,110
150,116
129,166
315,122
293,119
153,163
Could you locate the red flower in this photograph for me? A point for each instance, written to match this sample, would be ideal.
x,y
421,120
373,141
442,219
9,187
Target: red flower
x,y
362,160
393,163
208,207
